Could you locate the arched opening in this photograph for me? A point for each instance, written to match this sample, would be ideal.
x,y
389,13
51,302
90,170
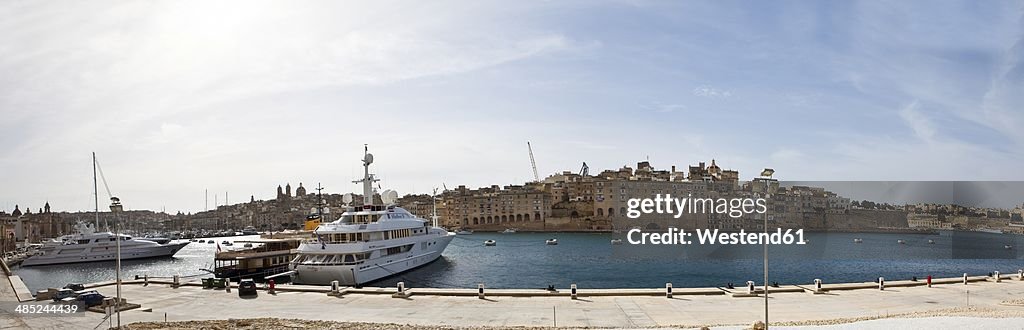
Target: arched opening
x,y
600,212
611,212
653,226
489,220
622,211
504,218
536,216
476,221
519,218
574,214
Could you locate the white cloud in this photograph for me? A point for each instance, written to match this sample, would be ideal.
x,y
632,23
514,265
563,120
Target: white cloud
x,y
711,92
923,127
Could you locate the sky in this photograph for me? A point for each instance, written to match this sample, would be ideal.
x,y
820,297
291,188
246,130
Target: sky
x,y
180,97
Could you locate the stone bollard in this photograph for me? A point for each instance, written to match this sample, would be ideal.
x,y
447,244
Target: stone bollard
x,y
996,275
668,290
227,284
965,278
335,288
572,291
881,283
750,287
817,285
480,291
177,281
1020,274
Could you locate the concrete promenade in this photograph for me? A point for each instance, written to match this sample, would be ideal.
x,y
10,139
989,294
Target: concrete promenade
x,y
621,308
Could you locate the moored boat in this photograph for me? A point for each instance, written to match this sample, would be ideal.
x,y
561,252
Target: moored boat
x,y
89,246
368,243
265,258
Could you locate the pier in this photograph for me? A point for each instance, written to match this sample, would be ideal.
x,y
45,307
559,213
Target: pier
x,y
601,308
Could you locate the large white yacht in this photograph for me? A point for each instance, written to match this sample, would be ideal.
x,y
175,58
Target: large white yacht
x,y
368,243
88,246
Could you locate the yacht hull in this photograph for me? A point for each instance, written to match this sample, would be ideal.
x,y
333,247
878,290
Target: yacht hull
x,y
370,270
91,255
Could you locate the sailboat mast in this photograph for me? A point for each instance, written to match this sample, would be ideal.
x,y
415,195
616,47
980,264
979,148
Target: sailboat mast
x,y
95,191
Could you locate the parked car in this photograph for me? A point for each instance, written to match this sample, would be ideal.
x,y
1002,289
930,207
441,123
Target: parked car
x,y
91,298
246,287
75,286
63,293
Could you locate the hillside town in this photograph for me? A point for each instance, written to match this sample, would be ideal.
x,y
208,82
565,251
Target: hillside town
x,y
566,201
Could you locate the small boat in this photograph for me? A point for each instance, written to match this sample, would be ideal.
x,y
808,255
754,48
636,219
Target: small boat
x,y
551,241
901,241
248,245
464,232
1008,246
858,240
490,242
616,241
931,241
209,242
226,243
202,241
509,231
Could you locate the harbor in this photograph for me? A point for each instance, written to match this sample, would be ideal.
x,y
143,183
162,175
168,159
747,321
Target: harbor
x,y
523,261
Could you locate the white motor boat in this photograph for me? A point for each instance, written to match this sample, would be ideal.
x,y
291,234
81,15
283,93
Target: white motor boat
x,y
490,242
90,246
509,231
616,241
858,240
369,242
464,232
551,241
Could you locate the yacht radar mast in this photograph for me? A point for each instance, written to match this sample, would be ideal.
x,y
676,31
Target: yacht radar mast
x,y
368,178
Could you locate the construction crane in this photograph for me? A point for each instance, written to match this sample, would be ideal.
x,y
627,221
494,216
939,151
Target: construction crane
x,y
536,177
585,170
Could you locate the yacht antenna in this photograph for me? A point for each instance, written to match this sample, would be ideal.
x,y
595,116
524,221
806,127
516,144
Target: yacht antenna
x,y
319,202
433,202
368,178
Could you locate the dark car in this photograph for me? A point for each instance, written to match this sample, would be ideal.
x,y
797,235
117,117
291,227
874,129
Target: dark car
x,y
75,286
91,298
246,287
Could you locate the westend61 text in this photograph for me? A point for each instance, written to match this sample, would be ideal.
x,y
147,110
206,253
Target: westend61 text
x,y
711,237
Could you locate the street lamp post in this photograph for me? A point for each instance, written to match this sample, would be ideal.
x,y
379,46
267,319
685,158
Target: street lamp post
x,y
116,208
766,176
